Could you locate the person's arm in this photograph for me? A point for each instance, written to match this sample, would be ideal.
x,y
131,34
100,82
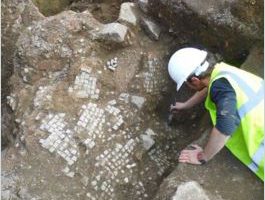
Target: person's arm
x,y
197,98
224,97
215,143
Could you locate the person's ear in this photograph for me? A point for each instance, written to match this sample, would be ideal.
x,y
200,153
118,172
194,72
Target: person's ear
x,y
195,79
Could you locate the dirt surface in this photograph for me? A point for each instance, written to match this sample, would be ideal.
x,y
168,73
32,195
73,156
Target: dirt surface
x,y
117,167
43,174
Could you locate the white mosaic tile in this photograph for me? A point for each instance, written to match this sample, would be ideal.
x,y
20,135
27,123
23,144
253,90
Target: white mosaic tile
x,y
140,190
60,139
124,97
152,78
12,101
116,160
117,119
160,158
138,101
85,85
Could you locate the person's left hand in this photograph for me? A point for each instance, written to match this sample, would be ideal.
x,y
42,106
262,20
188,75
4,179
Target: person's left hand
x,y
190,156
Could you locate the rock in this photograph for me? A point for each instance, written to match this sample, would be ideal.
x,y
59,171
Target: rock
x,y
8,186
70,174
84,180
6,194
126,180
150,132
12,102
128,14
147,141
151,28
124,97
190,191
66,170
23,194
113,32
138,101
143,4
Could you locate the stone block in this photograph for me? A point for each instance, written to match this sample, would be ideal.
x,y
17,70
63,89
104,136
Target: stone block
x,y
138,101
147,141
113,32
190,191
151,28
128,13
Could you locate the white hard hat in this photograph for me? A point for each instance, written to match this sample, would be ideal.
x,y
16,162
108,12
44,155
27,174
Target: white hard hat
x,y
186,61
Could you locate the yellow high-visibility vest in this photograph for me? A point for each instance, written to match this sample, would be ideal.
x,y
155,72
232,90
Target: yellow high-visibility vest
x,y
247,142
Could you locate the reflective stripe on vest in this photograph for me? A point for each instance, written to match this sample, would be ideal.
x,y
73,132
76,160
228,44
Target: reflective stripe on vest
x,y
257,158
254,99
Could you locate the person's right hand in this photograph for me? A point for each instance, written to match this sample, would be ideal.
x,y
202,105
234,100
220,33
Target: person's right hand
x,y
178,106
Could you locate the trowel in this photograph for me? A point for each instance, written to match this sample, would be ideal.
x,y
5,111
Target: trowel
x,y
170,116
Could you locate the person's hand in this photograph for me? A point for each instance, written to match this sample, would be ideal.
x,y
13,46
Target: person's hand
x,y
190,156
178,106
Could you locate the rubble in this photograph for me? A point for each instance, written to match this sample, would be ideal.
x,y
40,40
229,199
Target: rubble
x,y
148,141
12,101
189,191
138,101
9,189
128,14
112,64
113,33
124,97
84,180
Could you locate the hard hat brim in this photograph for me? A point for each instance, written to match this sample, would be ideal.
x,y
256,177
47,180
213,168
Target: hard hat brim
x,y
180,83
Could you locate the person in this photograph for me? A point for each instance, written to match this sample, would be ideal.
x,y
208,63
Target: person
x,y
235,101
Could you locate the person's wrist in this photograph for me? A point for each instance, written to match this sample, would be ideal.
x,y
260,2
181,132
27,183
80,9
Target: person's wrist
x,y
201,158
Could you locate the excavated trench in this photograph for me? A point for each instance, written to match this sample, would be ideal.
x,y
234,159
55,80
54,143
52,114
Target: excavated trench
x,y
103,11
52,7
152,165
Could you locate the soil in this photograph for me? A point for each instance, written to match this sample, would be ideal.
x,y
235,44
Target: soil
x,y
41,172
